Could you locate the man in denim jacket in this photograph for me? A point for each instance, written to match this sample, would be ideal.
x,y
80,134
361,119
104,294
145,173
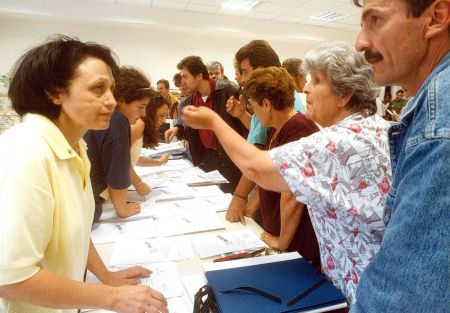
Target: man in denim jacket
x,y
408,44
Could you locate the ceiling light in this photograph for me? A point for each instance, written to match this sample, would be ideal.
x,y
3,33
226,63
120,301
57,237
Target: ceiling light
x,y
241,5
328,16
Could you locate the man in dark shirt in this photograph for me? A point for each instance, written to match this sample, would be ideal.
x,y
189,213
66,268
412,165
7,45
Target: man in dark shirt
x,y
207,153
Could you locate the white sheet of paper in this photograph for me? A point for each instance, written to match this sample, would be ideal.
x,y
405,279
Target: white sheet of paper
x,y
171,192
177,305
164,278
112,232
215,244
131,252
207,191
192,283
190,221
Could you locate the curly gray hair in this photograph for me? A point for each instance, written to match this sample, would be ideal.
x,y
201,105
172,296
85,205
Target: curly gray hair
x,y
347,70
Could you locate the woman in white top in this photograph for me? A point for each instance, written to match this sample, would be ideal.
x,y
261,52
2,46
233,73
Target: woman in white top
x,y
61,89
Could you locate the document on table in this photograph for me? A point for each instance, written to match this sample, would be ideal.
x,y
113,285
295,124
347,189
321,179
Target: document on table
x,y
190,221
131,252
192,283
164,278
171,148
215,244
171,192
109,214
207,191
171,165
112,232
197,177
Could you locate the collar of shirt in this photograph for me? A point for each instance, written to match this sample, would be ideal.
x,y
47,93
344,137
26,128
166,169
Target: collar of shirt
x,y
197,96
54,137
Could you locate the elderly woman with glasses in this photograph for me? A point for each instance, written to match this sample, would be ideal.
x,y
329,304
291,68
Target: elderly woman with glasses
x,y
342,173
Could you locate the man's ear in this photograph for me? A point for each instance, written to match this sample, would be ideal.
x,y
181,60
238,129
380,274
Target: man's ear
x,y
55,97
439,21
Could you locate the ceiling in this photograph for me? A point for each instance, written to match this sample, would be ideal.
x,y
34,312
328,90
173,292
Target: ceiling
x,y
287,19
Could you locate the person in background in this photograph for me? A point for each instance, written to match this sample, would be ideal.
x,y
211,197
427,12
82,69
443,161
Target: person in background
x,y
385,104
294,68
216,70
408,44
286,222
61,88
396,106
145,133
342,173
109,149
206,151
163,88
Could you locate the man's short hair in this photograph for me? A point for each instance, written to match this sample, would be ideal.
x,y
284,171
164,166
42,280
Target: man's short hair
x,y
194,64
177,79
416,7
50,67
212,65
294,67
259,53
165,82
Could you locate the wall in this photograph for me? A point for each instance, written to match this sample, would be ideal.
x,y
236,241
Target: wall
x,y
155,51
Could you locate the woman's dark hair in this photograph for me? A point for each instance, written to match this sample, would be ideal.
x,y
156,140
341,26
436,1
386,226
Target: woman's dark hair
x,y
151,131
48,69
132,85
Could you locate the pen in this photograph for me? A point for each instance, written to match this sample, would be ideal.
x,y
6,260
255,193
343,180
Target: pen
x,y
241,255
224,239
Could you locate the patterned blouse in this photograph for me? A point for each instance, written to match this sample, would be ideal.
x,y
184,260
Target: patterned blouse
x,y
343,175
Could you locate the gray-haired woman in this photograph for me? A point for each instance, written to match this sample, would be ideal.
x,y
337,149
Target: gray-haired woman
x,y
341,173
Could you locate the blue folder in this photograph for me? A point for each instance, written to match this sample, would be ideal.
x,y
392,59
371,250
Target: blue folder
x,y
283,279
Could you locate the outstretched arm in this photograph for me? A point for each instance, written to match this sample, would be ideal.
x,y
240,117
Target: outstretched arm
x,y
257,165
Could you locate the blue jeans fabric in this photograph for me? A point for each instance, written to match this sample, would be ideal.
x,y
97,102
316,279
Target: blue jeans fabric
x,y
411,272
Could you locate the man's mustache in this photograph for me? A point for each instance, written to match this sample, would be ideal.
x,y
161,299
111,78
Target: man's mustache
x,y
372,56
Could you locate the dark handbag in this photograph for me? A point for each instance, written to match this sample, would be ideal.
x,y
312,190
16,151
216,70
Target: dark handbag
x,y
204,301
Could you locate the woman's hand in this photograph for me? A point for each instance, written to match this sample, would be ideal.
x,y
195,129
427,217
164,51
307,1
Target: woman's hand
x,y
272,241
170,133
132,299
128,276
163,159
143,189
199,117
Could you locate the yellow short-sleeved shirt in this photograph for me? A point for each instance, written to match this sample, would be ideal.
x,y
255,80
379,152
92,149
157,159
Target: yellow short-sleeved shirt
x,y
46,207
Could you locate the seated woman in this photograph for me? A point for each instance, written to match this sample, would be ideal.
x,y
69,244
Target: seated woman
x,y
285,221
145,132
342,173
61,89
109,149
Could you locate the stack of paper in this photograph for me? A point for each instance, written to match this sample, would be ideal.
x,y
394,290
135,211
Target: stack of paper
x,y
190,221
113,232
162,148
131,252
215,244
171,192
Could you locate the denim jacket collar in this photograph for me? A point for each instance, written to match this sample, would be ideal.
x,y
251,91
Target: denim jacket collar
x,y
410,107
